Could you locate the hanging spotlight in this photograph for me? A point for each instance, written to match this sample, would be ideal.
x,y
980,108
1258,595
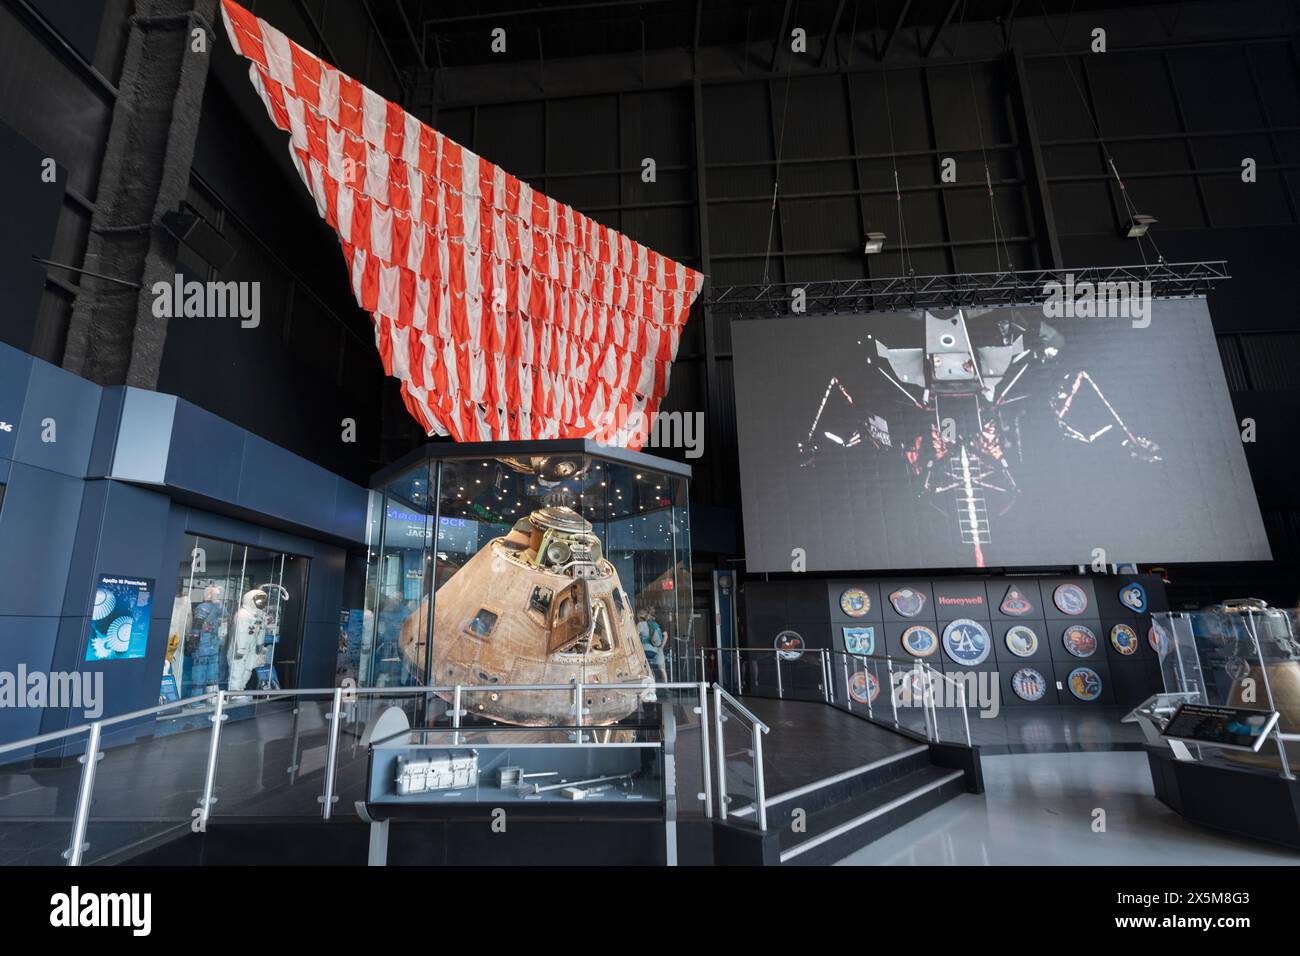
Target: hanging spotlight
x,y
874,242
1138,226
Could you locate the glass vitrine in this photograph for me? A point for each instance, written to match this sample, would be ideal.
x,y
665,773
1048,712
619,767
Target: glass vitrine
x,y
533,562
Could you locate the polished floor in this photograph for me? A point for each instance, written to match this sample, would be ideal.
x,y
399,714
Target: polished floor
x,y
1039,810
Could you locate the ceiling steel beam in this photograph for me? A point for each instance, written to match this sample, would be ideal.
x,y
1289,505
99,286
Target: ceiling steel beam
x,y
543,10
943,24
973,289
410,32
830,33
779,45
898,26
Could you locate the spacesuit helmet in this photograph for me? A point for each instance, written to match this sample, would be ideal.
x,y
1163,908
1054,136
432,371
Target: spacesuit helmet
x,y
255,599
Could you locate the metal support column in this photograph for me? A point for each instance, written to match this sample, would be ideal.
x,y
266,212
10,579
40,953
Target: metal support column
x,y
332,755
210,776
81,819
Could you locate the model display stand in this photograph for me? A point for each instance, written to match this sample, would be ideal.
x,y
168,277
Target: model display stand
x,y
1240,657
1238,654
576,774
424,767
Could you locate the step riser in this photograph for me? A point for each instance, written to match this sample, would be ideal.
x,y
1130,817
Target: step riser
x,y
780,815
834,850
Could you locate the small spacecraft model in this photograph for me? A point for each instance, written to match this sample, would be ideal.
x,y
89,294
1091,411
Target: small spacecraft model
x,y
967,397
454,770
540,605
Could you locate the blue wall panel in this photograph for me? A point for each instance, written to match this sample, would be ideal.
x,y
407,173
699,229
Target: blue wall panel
x,y
15,371
99,500
207,454
72,404
276,482
38,526
85,547
27,640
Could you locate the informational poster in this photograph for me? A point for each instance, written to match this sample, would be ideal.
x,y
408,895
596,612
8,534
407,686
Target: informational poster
x,y
990,437
119,618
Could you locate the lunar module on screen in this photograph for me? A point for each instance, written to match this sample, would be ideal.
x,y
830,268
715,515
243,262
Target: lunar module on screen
x,y
540,605
963,397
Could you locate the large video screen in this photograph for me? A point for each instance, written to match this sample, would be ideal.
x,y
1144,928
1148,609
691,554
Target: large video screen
x,y
989,438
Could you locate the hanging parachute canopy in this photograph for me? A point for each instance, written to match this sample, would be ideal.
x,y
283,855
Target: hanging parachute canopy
x,y
505,314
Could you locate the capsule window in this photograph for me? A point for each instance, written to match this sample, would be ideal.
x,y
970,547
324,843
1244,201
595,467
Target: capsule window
x,y
540,600
482,624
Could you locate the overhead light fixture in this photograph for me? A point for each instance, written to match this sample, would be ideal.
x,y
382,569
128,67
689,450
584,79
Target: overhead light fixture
x,y
1138,226
874,242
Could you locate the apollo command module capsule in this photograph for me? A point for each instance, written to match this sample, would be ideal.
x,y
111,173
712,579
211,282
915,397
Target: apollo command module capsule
x,y
540,605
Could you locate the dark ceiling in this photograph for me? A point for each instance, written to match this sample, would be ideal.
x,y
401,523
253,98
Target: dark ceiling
x,y
433,33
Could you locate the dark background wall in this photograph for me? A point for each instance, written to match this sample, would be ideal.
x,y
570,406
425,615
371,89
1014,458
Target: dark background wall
x,y
712,92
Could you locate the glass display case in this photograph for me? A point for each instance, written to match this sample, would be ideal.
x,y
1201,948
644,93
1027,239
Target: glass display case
x,y
1238,654
419,767
529,563
236,619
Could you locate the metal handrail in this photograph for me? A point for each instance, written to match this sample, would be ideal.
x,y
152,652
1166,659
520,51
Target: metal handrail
x,y
327,692
219,714
107,722
753,718
930,709
721,696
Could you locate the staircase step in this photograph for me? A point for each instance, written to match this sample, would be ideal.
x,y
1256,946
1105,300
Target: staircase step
x,y
840,787
836,831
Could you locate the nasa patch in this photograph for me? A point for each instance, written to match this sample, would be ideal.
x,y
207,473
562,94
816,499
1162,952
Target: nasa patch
x,y
1016,604
789,645
855,602
1085,683
864,687
1079,640
1070,599
1134,597
966,642
1029,684
1021,641
1124,639
860,640
907,601
920,641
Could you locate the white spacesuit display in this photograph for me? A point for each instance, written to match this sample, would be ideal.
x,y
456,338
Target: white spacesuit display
x,y
247,638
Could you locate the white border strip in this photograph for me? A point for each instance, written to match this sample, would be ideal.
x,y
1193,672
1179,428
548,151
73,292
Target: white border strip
x,y
837,778
844,828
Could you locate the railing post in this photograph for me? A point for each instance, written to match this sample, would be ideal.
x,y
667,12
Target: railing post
x,y
210,776
780,689
848,696
577,710
704,748
965,716
332,755
82,817
455,714
722,752
826,677
740,680
932,715
893,696
760,791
